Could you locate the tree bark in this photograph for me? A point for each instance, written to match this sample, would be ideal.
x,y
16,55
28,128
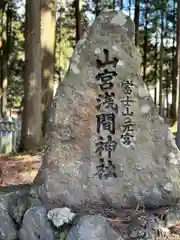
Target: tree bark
x,y
174,106
78,19
31,125
4,63
178,72
161,64
145,42
48,29
136,21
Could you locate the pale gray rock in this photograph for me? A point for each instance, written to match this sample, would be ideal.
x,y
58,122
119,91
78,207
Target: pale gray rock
x,y
91,227
35,225
7,227
10,211
17,207
143,227
145,161
60,216
173,216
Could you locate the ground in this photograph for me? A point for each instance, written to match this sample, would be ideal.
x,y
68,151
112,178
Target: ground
x,y
23,168
19,169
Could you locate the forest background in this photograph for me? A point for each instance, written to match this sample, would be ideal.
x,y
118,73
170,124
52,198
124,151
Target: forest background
x,y
37,39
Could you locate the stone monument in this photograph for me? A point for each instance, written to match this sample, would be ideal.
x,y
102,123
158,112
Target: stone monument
x,y
106,142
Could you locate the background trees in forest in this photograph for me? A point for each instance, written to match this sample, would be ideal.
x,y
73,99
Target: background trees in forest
x,y
62,24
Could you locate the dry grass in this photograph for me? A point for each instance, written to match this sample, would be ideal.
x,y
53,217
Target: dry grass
x,y
18,169
169,237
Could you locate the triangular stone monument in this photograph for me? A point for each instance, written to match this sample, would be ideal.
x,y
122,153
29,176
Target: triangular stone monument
x,y
106,143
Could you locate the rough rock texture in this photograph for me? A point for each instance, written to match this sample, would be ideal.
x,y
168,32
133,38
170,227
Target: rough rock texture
x,y
35,225
11,212
7,227
139,160
92,228
173,216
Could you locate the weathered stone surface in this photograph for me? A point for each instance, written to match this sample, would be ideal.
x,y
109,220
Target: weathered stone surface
x,y
173,216
35,225
143,227
7,228
10,210
17,207
145,171
92,228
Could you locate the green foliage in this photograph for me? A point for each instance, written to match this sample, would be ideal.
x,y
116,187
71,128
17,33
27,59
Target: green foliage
x,y
15,54
65,40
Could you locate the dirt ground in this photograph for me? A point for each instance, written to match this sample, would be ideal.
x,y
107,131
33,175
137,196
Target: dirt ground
x,y
22,169
18,169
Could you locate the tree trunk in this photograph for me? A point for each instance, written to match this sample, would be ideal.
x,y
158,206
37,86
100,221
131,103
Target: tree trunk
x,y
4,64
97,7
178,71
114,4
174,68
78,19
161,64
121,4
31,125
145,42
136,21
48,26
129,7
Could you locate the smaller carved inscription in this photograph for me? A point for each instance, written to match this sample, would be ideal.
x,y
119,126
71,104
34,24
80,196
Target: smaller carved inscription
x,y
127,87
127,135
127,112
127,101
128,132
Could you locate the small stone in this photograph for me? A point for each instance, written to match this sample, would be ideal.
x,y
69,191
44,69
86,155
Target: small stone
x,y
60,216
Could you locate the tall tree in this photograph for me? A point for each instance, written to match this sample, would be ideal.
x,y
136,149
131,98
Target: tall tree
x,y
174,64
178,70
4,59
78,19
136,21
31,125
161,62
48,27
145,45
